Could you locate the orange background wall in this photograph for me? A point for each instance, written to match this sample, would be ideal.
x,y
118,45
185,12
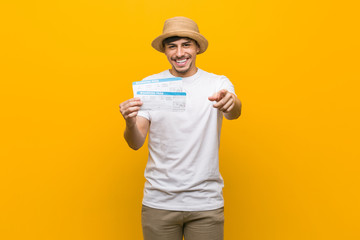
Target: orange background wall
x,y
290,163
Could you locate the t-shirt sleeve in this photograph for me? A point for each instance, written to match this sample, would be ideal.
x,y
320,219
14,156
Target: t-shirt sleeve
x,y
144,114
226,84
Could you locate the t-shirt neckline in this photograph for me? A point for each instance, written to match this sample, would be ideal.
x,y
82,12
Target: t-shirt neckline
x,y
191,78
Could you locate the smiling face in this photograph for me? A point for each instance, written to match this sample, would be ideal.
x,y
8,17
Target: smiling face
x,y
181,54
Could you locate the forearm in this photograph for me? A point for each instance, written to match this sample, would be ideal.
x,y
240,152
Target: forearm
x,y
134,137
235,112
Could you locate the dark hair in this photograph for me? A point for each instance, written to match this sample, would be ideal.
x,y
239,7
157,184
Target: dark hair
x,y
175,38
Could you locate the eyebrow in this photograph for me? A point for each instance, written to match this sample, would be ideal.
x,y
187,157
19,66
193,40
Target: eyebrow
x,y
189,41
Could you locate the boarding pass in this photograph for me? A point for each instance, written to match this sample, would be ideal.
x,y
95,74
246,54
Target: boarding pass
x,y
161,94
162,101
161,85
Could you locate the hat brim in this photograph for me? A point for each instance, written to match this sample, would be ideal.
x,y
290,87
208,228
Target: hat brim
x,y
200,39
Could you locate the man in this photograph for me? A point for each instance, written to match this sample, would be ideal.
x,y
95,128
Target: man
x,y
183,189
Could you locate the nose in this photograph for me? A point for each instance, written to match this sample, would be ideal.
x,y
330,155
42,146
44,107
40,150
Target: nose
x,y
179,52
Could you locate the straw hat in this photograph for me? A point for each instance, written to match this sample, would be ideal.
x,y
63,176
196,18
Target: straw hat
x,y
181,27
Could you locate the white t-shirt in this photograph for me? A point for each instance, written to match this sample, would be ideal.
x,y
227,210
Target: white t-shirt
x,y
182,172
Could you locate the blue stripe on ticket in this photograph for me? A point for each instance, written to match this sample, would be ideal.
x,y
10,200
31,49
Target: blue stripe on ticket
x,y
161,93
157,81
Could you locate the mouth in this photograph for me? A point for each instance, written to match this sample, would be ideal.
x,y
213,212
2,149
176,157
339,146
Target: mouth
x,y
181,62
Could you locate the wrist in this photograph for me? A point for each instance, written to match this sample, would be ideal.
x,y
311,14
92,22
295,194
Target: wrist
x,y
130,124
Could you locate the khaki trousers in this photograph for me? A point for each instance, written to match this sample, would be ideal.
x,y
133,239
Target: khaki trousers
x,y
160,224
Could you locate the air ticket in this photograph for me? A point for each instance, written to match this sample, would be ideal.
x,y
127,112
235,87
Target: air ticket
x,y
160,85
161,94
162,101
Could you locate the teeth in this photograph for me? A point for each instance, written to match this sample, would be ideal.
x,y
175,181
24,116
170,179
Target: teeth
x,y
181,61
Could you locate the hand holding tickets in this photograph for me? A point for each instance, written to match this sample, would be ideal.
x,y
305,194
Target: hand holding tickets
x,y
161,94
129,109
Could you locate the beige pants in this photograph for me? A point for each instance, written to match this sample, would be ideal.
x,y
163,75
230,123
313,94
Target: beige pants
x,y
173,225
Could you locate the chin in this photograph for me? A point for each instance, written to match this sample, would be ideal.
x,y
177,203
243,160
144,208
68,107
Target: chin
x,y
182,70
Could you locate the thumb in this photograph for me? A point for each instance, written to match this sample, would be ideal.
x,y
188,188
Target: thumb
x,y
222,94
